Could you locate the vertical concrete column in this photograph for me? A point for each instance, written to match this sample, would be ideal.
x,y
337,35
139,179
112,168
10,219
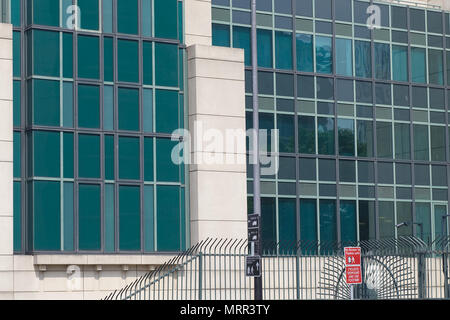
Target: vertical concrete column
x,y
198,29
218,179
6,163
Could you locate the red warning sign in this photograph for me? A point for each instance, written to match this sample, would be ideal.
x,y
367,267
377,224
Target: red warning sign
x,y
353,265
352,256
353,275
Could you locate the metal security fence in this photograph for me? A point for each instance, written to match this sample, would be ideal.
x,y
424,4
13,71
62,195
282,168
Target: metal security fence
x,y
405,268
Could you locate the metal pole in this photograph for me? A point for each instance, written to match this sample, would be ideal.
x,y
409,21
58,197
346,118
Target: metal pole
x,y
445,256
256,163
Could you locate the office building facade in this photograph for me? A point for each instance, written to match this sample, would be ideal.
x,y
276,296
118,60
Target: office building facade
x,y
358,92
93,90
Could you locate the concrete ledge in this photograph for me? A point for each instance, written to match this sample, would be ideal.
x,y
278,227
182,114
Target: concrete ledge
x,y
198,51
103,260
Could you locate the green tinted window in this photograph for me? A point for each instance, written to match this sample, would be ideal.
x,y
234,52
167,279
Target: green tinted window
x,y
68,154
46,102
402,141
344,57
384,139
268,220
307,134
88,106
438,143
421,145
328,232
400,63
17,216
109,157
147,56
108,60
110,234
46,12
325,135
149,219
16,54
382,61
418,65
287,222
346,137
265,48
435,67
286,126
147,109
67,104
166,111
128,60
166,170
241,40
88,57
168,218
367,220
128,109
148,159
108,108
15,12
47,216
146,16
107,15
129,218
365,138
68,217
166,19
166,65
129,158
46,154
308,220
89,217
324,55
221,35
46,53
89,14
348,222
88,156
16,103
283,50
16,148
67,55
304,43
127,16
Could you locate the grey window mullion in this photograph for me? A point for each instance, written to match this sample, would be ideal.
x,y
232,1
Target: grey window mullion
x,y
296,129
375,133
336,130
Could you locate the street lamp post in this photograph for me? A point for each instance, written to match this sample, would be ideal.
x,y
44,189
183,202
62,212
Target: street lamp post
x,y
405,224
256,163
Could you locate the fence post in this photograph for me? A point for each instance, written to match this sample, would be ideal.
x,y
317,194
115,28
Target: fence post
x,y
297,265
445,270
422,271
200,276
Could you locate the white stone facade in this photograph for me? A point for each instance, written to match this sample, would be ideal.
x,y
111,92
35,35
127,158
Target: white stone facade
x,y
6,163
218,191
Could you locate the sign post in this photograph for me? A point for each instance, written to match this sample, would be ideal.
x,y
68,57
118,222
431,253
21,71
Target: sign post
x,y
253,265
353,272
255,144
